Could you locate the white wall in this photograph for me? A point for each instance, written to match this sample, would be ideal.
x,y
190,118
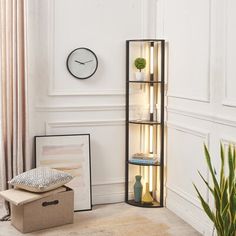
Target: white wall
x,y
61,104
201,106
201,81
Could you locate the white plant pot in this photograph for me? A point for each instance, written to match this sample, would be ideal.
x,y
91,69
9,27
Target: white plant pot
x,y
139,76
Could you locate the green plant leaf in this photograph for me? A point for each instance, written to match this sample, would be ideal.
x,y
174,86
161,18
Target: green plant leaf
x,y
219,223
224,196
224,192
232,205
208,160
207,184
222,155
231,167
217,200
224,212
234,157
205,206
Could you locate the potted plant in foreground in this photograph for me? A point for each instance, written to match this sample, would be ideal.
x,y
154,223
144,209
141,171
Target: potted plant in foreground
x,y
140,63
223,190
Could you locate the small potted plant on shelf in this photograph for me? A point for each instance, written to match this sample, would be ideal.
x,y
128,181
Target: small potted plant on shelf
x,y
140,63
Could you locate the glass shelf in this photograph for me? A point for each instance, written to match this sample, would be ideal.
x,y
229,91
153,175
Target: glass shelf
x,y
144,122
140,204
142,164
144,82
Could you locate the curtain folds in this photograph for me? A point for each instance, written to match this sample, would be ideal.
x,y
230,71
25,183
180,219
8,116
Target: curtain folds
x,y
14,114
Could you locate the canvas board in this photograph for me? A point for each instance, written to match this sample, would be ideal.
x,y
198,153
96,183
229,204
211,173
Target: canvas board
x,y
69,153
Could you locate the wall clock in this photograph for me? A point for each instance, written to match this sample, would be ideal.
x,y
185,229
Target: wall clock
x,y
82,63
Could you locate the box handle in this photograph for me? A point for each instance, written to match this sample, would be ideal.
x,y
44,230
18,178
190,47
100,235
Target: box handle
x,y
44,204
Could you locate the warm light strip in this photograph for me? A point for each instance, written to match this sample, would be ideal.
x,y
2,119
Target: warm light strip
x,y
150,178
151,139
151,98
151,59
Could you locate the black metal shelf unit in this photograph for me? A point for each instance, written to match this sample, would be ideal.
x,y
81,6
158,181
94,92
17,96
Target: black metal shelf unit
x,y
153,127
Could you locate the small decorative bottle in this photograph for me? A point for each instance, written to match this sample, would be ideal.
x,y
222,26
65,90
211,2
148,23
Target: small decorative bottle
x,y
147,197
138,189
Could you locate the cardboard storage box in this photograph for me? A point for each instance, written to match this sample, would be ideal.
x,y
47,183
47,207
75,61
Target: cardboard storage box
x,y
50,211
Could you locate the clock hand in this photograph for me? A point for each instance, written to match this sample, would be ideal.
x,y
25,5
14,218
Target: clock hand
x,y
88,61
79,62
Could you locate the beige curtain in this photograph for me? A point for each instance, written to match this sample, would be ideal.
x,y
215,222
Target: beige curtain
x,y
14,130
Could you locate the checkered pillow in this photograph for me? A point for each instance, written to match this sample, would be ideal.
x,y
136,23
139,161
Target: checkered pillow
x,y
41,179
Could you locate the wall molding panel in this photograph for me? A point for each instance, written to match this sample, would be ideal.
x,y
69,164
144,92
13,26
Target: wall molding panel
x,y
159,32
180,93
184,195
204,116
108,182
53,91
66,124
193,131
69,92
119,107
227,101
189,213
105,189
197,99
197,132
104,197
109,191
227,141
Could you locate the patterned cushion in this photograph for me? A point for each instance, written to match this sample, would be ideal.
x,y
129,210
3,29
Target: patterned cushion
x,y
41,179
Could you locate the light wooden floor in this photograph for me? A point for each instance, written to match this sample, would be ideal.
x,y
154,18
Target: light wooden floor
x,y
116,220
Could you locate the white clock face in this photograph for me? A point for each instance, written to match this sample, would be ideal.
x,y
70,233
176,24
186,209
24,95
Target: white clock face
x,y
82,63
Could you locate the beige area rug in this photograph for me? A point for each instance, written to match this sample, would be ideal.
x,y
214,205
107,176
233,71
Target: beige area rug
x,y
116,220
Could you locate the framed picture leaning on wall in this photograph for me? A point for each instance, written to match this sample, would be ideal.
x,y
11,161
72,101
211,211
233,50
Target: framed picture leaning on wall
x,y
69,153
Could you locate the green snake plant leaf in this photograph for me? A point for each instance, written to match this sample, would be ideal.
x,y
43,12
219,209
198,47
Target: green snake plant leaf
x,y
234,222
207,184
231,228
225,210
217,200
205,206
223,214
234,159
227,223
208,160
231,168
222,171
232,203
219,222
224,196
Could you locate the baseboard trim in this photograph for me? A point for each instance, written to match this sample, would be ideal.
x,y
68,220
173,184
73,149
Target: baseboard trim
x,y
112,192
108,198
188,212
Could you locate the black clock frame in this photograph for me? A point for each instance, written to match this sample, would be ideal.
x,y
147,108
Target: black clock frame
x,y
67,61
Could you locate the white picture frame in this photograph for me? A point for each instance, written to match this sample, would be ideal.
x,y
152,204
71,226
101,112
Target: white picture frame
x,y
69,153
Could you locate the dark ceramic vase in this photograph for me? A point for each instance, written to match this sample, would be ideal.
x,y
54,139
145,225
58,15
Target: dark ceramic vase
x,y
138,189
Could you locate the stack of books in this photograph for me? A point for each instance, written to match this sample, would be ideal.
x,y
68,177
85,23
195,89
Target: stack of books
x,y
144,158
